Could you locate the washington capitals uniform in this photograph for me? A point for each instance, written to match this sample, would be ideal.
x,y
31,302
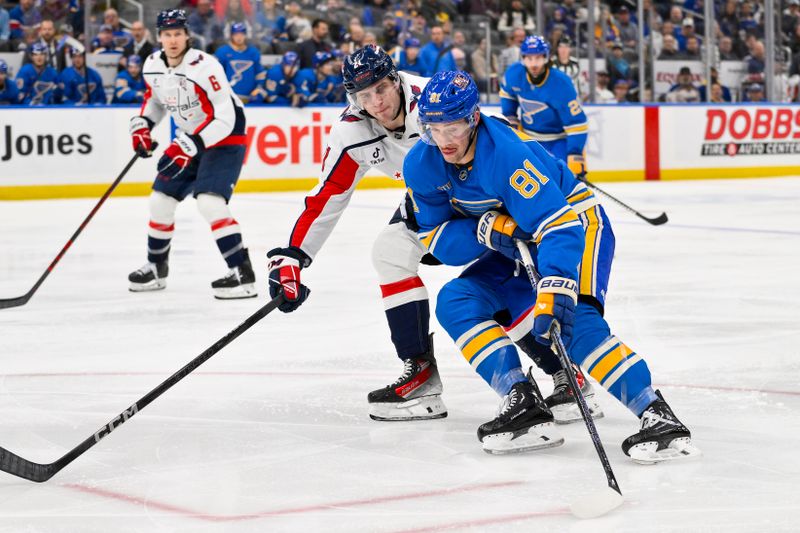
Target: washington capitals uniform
x,y
244,70
488,306
549,111
356,144
127,89
199,100
37,87
73,86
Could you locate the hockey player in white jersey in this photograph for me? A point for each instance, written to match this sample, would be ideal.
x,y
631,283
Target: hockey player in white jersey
x,y
204,160
376,130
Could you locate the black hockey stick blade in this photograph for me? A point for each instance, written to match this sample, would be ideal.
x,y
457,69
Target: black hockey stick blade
x,y
6,303
656,221
13,464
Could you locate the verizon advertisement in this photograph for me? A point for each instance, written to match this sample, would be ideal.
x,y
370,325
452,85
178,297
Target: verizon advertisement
x,y
730,136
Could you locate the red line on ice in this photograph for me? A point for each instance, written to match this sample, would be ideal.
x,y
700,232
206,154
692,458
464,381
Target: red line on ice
x,y
189,513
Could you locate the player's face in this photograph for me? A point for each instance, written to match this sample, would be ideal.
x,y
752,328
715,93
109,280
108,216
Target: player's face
x,y
78,61
174,42
134,70
381,100
452,139
38,59
238,39
534,63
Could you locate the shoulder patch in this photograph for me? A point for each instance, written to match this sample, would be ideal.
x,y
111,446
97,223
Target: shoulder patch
x,y
196,61
348,116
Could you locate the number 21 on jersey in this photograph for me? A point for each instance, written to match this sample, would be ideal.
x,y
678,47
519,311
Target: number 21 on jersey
x,y
527,181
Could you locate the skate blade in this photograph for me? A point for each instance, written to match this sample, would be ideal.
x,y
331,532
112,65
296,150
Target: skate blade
x,y
155,285
537,438
647,453
569,413
422,408
236,293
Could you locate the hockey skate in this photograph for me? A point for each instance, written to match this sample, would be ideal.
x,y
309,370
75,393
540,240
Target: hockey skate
x,y
524,423
415,395
563,403
662,437
151,277
240,282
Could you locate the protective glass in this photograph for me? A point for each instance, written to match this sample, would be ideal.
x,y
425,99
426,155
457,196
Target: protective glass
x,y
370,95
443,133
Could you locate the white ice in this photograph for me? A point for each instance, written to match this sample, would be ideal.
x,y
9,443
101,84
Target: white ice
x,y
272,433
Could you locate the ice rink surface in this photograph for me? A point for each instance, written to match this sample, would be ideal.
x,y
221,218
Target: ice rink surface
x,y
272,433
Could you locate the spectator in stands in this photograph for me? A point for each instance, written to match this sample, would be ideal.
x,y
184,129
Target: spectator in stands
x,y
204,27
692,52
242,64
23,18
80,84
670,48
374,11
756,60
235,10
47,38
438,11
298,26
391,33
37,82
605,29
561,20
105,43
602,95
55,10
747,20
676,16
618,67
5,30
481,72
370,38
483,8
122,39
790,18
716,94
729,20
755,93
354,39
407,59
436,56
628,31
9,94
621,91
511,53
684,91
516,16
141,46
687,32
418,28
129,87
270,24
726,52
317,43
725,93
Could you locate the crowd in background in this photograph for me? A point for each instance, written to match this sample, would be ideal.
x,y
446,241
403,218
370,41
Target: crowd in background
x,y
423,36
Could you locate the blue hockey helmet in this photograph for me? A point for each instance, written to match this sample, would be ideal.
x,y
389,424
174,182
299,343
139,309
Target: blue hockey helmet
x,y
38,48
412,42
238,27
3,67
290,59
320,58
365,67
448,97
171,19
535,45
134,60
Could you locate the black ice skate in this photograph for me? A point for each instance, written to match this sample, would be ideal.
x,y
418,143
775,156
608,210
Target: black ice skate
x,y
662,436
563,403
240,282
524,423
415,395
151,277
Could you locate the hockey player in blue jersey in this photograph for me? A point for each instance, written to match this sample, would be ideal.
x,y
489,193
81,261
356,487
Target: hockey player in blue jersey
x,y
312,84
542,101
479,186
281,79
242,64
9,94
129,86
78,81
337,95
36,81
407,58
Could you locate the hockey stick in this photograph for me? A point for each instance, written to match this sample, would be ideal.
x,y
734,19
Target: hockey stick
x,y
5,303
16,465
601,502
657,221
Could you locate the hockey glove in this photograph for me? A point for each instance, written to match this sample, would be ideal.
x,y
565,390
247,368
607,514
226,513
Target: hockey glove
x,y
499,232
577,164
556,299
284,275
178,155
140,135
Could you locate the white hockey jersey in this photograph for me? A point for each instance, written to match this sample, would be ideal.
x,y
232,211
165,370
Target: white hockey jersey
x,y
355,144
196,94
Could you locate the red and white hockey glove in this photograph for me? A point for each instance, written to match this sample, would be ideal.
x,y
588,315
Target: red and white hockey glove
x,y
284,276
556,299
140,135
178,155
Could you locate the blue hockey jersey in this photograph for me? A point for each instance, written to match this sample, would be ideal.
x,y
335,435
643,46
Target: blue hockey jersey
x,y
305,83
549,110
244,71
510,174
38,87
337,94
74,90
279,89
9,94
128,90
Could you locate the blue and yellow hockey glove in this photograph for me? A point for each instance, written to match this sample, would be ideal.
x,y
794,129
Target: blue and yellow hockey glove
x,y
556,299
499,232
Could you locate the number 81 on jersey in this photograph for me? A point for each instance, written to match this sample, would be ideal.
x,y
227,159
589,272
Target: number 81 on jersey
x,y
527,181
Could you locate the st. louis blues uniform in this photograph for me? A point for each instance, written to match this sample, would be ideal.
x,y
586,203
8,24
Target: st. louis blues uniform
x,y
127,89
279,88
9,94
38,87
244,71
549,111
73,86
